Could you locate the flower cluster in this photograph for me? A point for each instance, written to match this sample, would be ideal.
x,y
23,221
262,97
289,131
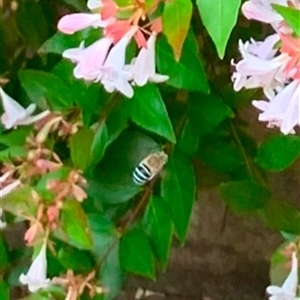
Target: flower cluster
x,y
273,65
105,60
22,171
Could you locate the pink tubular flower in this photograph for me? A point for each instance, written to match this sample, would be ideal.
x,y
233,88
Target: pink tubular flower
x,y
71,23
143,66
109,9
15,115
113,75
283,110
291,46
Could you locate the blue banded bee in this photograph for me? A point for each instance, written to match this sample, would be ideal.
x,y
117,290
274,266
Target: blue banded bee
x,y
149,167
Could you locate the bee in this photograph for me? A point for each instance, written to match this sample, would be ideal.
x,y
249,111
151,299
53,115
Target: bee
x,y
149,167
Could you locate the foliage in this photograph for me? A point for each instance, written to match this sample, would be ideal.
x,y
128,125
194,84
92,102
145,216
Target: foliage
x,y
113,227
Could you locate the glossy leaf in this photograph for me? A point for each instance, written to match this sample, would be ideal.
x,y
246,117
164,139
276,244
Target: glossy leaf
x,y
219,18
187,73
136,254
74,225
207,111
45,89
32,22
278,152
291,16
223,155
19,201
158,225
176,22
75,259
148,111
283,216
189,139
179,191
4,290
99,144
245,195
80,146
16,137
4,258
60,42
111,274
113,180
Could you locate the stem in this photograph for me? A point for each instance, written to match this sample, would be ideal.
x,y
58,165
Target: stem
x,y
114,99
244,154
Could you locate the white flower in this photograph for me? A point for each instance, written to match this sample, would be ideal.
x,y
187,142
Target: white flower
x,y
36,277
289,287
262,10
15,115
259,67
143,66
94,4
283,110
89,59
113,76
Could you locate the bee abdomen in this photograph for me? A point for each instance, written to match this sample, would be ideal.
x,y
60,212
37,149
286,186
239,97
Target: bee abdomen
x,y
141,174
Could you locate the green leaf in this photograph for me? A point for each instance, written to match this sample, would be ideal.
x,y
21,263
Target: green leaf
x,y
117,120
111,275
104,234
113,175
179,191
222,155
283,216
74,225
60,42
136,255
80,5
278,152
219,18
4,260
32,22
106,251
176,22
148,111
188,73
244,195
158,225
80,146
99,144
4,290
291,16
207,111
17,137
75,259
189,139
19,201
12,152
42,88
